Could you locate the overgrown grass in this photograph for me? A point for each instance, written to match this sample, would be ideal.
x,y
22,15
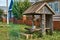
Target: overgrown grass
x,y
12,32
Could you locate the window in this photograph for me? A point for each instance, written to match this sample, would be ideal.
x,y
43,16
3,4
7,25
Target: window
x,y
54,6
50,4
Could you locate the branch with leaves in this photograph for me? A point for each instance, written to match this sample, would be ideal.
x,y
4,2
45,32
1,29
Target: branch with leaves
x,y
19,7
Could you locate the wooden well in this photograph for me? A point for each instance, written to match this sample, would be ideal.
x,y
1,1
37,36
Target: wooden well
x,y
45,12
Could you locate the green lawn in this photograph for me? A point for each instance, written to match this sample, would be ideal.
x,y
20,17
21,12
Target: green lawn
x,y
12,32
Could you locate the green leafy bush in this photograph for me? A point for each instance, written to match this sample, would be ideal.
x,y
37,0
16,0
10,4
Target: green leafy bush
x,y
1,12
14,33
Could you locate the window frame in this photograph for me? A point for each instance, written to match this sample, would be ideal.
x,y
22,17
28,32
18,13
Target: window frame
x,y
52,4
57,6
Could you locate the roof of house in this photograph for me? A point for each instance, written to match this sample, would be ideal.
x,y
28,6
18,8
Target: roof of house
x,y
36,7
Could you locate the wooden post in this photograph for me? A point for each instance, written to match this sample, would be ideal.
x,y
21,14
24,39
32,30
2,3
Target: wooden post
x,y
41,21
51,24
43,24
33,25
32,20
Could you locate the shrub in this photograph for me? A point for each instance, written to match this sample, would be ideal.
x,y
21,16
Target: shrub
x,y
1,12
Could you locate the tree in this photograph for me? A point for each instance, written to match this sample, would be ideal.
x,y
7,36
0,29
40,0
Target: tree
x,y
19,7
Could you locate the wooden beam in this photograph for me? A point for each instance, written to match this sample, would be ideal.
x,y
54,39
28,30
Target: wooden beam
x,y
51,24
33,25
43,24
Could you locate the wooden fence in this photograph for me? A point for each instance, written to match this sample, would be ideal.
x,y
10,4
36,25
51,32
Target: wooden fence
x,y
56,24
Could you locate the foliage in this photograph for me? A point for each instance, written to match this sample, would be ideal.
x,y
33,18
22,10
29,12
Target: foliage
x,y
19,7
1,12
13,31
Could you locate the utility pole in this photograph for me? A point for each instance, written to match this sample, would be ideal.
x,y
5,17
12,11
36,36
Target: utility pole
x,y
7,12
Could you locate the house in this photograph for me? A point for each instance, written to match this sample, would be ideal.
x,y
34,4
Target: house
x,y
55,5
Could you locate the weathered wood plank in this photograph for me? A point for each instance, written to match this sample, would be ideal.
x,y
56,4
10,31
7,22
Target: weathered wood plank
x,y
43,24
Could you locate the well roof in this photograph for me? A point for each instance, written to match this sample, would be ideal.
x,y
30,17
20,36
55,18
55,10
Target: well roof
x,y
33,10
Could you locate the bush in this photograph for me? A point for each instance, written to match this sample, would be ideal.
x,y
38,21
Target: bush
x,y
14,35
1,12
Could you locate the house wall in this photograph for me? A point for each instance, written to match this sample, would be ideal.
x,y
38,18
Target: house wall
x,y
56,25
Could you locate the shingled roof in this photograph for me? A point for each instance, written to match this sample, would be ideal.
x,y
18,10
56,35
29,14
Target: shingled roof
x,y
37,6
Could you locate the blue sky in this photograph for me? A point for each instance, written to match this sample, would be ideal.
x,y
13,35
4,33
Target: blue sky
x,y
3,2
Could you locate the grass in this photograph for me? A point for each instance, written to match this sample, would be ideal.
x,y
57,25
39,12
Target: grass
x,y
12,32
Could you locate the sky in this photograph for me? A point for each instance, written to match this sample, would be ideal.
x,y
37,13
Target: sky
x,y
3,2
